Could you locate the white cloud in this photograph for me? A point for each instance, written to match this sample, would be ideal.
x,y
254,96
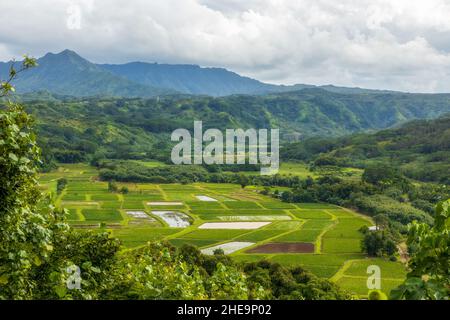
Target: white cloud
x,y
401,44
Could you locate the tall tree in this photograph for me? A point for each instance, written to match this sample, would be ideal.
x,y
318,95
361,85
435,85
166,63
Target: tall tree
x,y
25,239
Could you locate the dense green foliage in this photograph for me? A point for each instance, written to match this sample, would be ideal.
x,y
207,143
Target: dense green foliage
x,y
429,277
41,257
379,243
39,251
420,149
130,171
73,130
25,238
366,197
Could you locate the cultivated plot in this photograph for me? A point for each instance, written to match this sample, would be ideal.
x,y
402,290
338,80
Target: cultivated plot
x,y
322,238
233,225
278,247
228,247
173,218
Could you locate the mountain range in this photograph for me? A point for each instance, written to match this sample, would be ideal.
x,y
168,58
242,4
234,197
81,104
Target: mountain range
x,y
67,73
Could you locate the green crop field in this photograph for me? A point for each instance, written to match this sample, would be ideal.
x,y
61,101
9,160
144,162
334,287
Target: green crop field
x,y
242,205
219,234
311,214
74,197
332,230
258,235
302,235
353,275
101,215
133,204
141,235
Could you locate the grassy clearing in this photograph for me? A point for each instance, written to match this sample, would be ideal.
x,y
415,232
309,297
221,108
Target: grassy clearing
x,y
358,285
234,212
253,218
101,215
205,205
347,228
317,224
285,225
388,269
353,276
179,242
151,163
143,197
249,257
338,245
310,214
80,204
104,197
342,214
277,205
308,206
142,235
215,234
111,205
301,235
133,204
297,169
74,197
322,265
258,235
315,259
241,205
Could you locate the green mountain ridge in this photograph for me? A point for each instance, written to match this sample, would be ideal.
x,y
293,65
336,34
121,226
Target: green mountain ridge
x,y
140,128
68,73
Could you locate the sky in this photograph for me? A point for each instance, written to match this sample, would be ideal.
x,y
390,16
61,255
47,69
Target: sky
x,y
383,44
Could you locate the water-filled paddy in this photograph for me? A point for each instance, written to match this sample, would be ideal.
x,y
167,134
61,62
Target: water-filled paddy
x,y
173,218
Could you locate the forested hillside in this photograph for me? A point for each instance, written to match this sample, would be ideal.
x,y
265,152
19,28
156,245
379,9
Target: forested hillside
x,y
75,129
421,149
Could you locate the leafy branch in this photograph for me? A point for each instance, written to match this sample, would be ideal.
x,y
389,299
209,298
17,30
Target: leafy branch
x,y
5,85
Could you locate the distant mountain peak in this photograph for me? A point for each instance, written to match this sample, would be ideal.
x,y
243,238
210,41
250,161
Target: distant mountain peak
x,y
70,53
65,52
67,72
66,57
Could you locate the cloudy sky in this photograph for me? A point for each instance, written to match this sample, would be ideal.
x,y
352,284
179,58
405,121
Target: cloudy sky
x,y
390,44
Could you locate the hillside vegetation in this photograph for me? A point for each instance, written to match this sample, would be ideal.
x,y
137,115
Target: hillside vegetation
x,y
75,129
67,72
420,149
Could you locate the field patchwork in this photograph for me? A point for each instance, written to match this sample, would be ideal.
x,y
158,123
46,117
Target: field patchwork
x,y
247,225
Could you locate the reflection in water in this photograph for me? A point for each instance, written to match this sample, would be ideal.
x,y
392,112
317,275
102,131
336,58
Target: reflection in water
x,y
173,218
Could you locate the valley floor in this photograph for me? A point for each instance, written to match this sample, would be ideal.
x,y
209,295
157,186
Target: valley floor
x,y
249,226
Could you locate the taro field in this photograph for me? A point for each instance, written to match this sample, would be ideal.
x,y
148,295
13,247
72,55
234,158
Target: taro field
x,y
246,225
